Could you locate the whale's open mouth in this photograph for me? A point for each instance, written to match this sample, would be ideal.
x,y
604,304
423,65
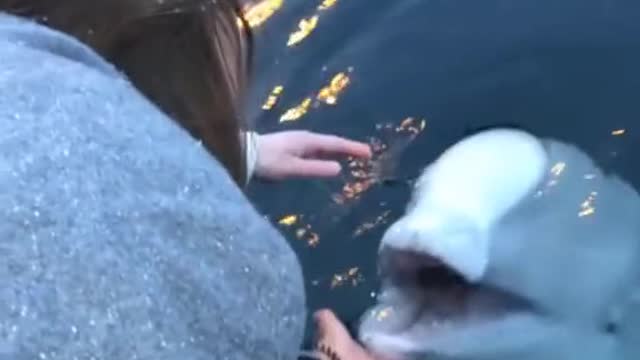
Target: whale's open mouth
x,y
435,261
423,298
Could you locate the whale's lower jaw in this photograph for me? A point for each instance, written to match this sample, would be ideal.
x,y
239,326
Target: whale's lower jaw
x,y
424,304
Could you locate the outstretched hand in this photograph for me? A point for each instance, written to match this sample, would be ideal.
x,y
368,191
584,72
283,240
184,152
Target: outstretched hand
x,y
299,153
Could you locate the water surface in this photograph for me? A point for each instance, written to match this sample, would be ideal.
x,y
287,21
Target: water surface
x,y
566,69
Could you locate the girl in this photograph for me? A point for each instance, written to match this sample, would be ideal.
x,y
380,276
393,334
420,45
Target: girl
x,y
122,236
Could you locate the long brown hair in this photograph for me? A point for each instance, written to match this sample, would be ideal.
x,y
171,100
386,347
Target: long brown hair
x,y
190,57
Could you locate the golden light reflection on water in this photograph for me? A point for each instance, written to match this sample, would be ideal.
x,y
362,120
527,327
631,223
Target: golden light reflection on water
x,y
288,220
618,132
327,94
303,231
363,174
296,112
351,276
257,13
327,4
310,237
305,27
272,98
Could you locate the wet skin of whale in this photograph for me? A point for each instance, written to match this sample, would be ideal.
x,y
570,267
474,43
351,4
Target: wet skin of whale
x,y
515,248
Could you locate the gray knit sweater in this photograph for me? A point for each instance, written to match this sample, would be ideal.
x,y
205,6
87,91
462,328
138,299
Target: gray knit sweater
x,y
120,237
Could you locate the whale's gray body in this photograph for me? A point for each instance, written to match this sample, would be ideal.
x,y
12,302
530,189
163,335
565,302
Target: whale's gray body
x,y
549,271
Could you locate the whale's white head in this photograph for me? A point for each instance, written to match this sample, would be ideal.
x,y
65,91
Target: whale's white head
x,y
477,267
464,192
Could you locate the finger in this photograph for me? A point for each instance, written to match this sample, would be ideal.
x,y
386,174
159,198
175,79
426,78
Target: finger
x,y
314,168
335,145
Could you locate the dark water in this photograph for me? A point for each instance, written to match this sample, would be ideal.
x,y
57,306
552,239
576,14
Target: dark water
x,y
567,69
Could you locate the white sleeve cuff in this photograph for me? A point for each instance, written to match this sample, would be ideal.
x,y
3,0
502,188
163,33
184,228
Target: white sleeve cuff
x,y
251,145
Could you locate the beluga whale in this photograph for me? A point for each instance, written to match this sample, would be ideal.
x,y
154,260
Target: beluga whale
x,y
512,247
